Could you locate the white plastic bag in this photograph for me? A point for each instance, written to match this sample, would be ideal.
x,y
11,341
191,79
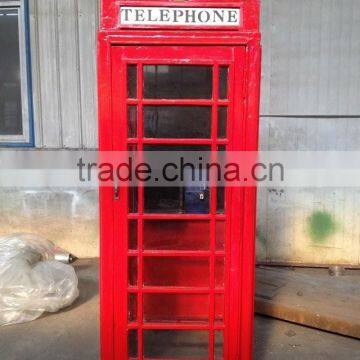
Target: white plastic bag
x,y
31,281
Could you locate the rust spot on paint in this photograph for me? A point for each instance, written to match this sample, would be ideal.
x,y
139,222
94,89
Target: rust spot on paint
x,y
321,226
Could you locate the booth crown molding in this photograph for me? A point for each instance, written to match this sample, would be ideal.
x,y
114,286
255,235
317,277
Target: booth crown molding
x,y
245,11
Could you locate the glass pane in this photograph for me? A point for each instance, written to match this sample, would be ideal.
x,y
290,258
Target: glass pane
x,y
132,148
176,235
133,200
177,148
220,272
219,308
133,343
132,271
177,82
220,200
176,307
10,85
220,189
132,121
192,199
222,122
176,271
132,307
220,235
163,200
132,81
219,345
176,344
223,82
177,122
133,235
133,190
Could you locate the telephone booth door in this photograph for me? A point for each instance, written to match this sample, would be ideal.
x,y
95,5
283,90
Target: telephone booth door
x,y
176,250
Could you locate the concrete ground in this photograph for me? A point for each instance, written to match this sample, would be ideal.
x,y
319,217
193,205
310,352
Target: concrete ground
x,y
73,333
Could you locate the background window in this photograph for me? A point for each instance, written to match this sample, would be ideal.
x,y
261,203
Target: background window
x,y
14,100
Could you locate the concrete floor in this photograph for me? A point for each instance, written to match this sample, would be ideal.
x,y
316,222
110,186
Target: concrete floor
x,y
73,333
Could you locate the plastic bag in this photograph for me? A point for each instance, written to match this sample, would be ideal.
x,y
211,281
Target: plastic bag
x,y
31,281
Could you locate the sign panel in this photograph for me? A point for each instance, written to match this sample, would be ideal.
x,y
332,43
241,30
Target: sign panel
x,y
180,16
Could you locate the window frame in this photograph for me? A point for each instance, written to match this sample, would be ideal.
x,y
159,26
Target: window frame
x,y
27,137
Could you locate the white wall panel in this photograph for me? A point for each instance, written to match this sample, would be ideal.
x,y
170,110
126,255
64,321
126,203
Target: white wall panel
x,y
266,16
63,45
311,57
310,134
88,21
48,77
35,65
68,42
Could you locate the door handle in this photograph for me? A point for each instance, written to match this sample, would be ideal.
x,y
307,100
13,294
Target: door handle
x,y
116,193
116,188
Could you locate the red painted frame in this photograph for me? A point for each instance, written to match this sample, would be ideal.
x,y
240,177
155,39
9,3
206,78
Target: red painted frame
x,y
242,218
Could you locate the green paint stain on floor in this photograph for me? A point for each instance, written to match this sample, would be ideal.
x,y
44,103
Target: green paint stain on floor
x,y
321,226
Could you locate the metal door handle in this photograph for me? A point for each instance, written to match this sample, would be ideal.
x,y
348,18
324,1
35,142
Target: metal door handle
x,y
116,188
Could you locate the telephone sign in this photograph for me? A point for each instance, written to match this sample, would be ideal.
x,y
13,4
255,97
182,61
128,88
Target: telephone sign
x,y
179,16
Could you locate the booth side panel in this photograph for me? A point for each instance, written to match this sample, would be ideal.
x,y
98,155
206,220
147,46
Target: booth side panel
x,y
236,211
106,204
250,194
119,135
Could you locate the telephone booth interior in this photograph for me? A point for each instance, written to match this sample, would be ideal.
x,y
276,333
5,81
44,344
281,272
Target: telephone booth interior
x,y
177,263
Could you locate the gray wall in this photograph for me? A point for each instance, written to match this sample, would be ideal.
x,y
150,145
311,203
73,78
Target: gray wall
x,y
68,217
310,101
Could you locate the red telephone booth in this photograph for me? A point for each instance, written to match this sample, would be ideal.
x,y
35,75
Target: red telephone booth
x,y
178,283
